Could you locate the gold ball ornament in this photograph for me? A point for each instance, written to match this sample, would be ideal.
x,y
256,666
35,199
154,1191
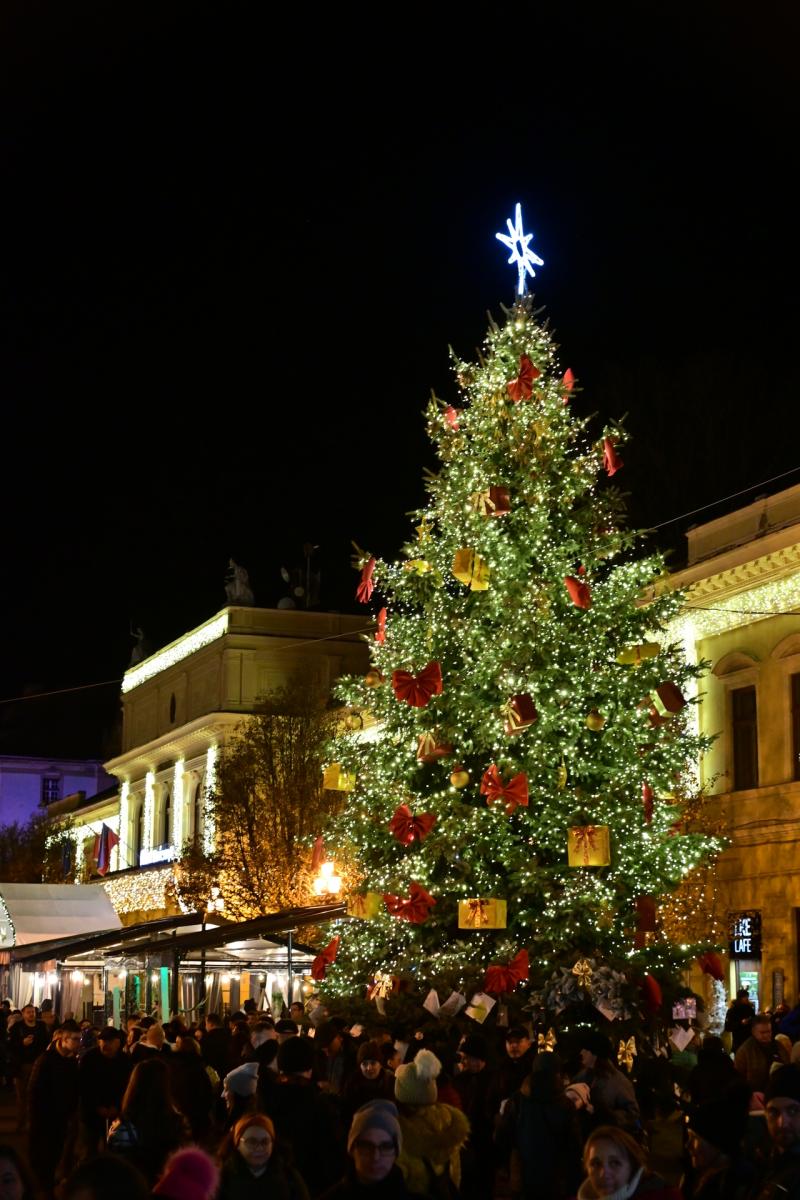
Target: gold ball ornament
x,y
354,720
595,721
373,678
459,778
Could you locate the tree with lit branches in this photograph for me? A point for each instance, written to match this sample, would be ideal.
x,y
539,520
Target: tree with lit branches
x,y
518,809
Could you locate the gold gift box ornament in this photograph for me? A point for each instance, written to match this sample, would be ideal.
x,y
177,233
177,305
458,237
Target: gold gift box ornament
x,y
634,656
334,779
366,906
471,569
589,846
482,914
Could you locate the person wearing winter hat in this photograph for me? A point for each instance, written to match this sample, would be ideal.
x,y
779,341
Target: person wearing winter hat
x,y
373,1143
306,1120
188,1175
433,1133
714,1141
472,1084
782,1104
612,1095
239,1092
254,1167
371,1081
514,1068
616,1169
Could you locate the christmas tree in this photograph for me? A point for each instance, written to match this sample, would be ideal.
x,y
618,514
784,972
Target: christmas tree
x,y
519,808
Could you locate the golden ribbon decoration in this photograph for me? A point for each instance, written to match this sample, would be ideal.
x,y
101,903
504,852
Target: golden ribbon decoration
x,y
626,1052
477,913
547,1042
482,503
382,986
585,840
583,971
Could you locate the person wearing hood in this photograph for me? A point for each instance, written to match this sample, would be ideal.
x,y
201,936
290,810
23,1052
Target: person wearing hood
x,y
374,1144
616,1169
714,1141
539,1134
612,1094
432,1133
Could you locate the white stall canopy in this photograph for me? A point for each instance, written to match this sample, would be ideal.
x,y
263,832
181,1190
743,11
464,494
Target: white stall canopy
x,y
37,912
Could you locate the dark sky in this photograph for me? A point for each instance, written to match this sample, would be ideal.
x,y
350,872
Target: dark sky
x,y
238,243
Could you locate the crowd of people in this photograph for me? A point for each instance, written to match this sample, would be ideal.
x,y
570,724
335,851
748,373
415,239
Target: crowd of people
x,y
299,1109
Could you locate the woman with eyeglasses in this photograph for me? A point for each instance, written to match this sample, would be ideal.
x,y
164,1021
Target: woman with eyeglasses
x,y
373,1143
254,1168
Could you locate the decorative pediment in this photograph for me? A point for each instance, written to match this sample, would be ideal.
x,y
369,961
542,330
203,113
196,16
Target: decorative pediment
x,y
787,647
735,661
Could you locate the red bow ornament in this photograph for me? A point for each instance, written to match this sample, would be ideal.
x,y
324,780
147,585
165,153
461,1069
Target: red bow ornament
x,y
711,964
325,959
521,388
380,632
417,690
514,793
409,827
366,587
611,460
415,909
451,415
568,382
505,979
579,591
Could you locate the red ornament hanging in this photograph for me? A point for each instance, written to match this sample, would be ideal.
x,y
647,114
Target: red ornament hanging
x,y
710,963
521,388
505,979
380,632
366,587
579,591
409,827
652,995
325,959
611,460
514,794
451,416
417,690
568,382
648,798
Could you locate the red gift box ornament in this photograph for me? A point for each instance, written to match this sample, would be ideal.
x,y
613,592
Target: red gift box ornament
x,y
667,699
416,908
499,502
325,959
579,591
366,587
568,382
611,460
651,994
408,827
380,632
505,979
648,798
417,690
514,794
519,713
521,388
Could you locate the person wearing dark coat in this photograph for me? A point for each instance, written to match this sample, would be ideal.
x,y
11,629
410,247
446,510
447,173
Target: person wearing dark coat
x,y
757,1055
370,1081
714,1073
612,1095
514,1069
26,1041
103,1075
539,1134
215,1045
715,1133
53,1098
192,1090
306,1120
473,1084
253,1167
738,1018
781,1180
373,1144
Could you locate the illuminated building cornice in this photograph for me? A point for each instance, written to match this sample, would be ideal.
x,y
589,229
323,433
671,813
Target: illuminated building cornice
x,y
730,597
190,643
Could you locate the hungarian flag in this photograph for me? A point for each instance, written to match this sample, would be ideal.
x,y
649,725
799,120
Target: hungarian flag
x,y
104,843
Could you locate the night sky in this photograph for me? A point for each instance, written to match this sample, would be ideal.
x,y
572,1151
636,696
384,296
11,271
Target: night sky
x,y
238,244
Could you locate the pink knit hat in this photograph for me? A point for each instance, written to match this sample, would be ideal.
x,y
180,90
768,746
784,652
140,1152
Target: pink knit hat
x,y
189,1175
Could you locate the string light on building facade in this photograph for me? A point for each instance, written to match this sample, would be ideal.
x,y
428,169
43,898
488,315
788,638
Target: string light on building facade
x,y
209,831
149,810
177,803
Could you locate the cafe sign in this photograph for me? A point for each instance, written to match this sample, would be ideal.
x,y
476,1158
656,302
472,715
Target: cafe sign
x,y
745,934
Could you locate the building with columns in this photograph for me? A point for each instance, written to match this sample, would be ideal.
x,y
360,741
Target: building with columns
x,y
180,705
742,614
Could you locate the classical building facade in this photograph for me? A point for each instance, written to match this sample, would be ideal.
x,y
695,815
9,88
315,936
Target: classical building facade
x,y
743,616
180,705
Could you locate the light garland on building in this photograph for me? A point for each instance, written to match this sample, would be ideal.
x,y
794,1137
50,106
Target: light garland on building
x,y
147,891
123,849
773,599
209,831
177,804
149,810
175,652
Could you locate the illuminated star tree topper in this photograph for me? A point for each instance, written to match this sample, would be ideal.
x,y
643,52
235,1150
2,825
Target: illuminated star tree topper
x,y
521,253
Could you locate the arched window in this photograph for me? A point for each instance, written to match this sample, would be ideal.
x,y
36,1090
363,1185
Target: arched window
x,y
172,708
198,811
138,834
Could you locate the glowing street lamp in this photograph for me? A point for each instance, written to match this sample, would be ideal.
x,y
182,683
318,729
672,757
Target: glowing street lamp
x,y
327,883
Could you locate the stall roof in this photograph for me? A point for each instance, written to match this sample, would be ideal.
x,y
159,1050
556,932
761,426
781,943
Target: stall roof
x,y
42,912
154,937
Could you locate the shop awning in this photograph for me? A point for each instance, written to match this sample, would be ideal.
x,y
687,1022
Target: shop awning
x,y
40,912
